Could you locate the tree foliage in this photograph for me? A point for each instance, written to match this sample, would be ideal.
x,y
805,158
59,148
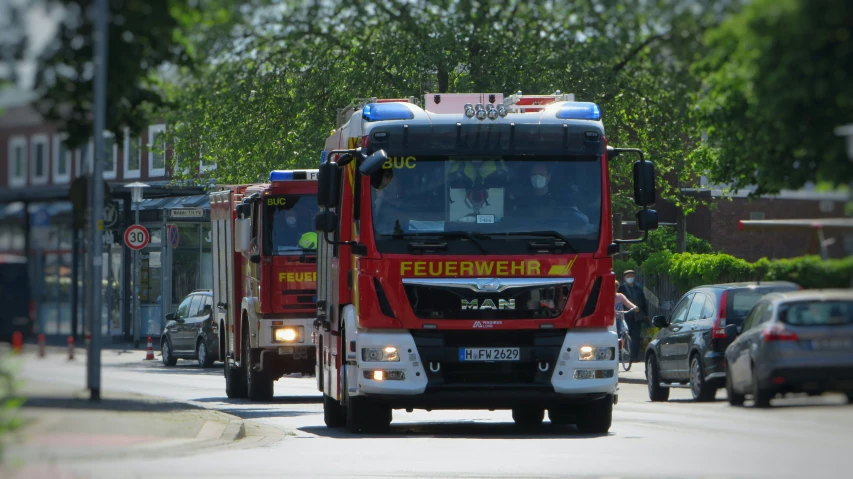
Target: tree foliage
x,y
778,81
271,101
145,38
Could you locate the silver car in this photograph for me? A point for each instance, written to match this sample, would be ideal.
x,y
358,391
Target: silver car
x,y
792,342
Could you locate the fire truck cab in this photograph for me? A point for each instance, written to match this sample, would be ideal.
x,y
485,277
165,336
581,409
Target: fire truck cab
x,y
264,267
464,259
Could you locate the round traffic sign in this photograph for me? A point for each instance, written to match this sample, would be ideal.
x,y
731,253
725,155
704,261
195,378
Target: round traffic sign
x,y
136,237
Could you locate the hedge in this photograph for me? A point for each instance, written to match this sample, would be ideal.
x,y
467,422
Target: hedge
x,y
688,270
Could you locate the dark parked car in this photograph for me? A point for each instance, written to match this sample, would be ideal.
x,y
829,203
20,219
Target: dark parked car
x,y
191,332
18,311
793,342
689,349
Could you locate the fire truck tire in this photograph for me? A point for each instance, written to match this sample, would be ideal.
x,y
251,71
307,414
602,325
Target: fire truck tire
x,y
596,417
259,386
334,415
365,416
235,384
528,416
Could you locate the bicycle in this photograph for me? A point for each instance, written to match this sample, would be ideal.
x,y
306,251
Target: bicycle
x,y
624,342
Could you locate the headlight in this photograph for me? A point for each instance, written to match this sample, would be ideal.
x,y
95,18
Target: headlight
x,y
386,354
593,353
385,375
288,334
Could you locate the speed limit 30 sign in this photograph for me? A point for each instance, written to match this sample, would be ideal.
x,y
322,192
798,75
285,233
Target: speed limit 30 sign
x,y
136,237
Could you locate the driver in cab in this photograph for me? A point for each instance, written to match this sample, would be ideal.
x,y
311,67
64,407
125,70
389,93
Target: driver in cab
x,y
542,199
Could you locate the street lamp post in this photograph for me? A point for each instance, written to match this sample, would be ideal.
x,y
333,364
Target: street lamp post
x,y
136,198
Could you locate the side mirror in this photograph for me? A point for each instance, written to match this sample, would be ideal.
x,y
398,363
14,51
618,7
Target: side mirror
x,y
255,258
647,220
731,331
328,185
243,228
170,316
373,163
659,322
326,222
644,183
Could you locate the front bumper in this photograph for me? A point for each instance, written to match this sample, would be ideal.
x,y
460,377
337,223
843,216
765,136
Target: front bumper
x,y
436,378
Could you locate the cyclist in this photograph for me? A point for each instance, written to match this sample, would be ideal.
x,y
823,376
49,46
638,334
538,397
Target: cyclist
x,y
621,303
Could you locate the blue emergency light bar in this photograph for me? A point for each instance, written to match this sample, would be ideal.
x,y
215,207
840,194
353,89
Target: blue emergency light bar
x,y
288,175
386,111
579,111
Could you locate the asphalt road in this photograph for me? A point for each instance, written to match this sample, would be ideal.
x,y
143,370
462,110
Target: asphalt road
x,y
798,437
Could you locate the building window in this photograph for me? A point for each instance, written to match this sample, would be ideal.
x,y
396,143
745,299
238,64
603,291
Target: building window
x,y
61,159
110,156
157,150
132,155
38,153
17,161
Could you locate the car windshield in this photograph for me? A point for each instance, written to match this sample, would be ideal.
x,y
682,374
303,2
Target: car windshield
x,y
499,198
289,224
817,313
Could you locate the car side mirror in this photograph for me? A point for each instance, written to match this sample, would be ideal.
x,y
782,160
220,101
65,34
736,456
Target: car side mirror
x,y
255,258
644,183
660,322
647,220
326,222
328,185
731,331
170,317
373,163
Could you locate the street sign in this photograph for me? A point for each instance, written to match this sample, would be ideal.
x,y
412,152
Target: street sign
x,y
186,213
172,233
110,214
136,237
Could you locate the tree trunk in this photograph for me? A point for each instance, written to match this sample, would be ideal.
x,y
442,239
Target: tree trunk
x,y
681,232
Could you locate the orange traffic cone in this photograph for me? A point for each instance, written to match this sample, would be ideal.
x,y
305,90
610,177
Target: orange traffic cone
x,y
17,342
41,345
70,348
150,350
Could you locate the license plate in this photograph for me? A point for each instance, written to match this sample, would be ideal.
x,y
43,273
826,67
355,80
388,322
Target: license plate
x,y
489,354
832,344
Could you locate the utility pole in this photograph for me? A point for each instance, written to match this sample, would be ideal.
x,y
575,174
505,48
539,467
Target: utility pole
x,y
136,198
96,190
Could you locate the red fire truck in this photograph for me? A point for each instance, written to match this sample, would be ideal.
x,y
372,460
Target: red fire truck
x,y
464,259
264,280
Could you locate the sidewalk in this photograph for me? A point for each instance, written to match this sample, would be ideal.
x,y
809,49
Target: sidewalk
x,y
63,426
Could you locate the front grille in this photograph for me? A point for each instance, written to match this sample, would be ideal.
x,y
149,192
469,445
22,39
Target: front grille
x,y
452,302
440,350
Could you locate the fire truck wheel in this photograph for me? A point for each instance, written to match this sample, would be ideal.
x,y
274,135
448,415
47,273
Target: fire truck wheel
x,y
596,417
334,415
365,416
259,386
235,384
528,416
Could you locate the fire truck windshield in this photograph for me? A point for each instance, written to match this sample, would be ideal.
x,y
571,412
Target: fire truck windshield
x,y
289,224
496,199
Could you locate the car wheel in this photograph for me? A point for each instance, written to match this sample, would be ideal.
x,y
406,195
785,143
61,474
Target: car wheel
x,y
166,353
760,396
735,399
596,417
850,397
656,392
701,390
528,416
205,360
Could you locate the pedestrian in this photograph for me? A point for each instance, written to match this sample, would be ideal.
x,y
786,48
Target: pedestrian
x,y
635,319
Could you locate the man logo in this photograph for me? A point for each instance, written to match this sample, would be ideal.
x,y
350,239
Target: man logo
x,y
488,304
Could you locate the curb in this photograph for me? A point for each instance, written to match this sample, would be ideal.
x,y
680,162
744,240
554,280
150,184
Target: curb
x,y
632,381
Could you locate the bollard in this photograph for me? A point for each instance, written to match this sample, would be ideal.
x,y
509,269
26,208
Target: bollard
x,y
41,345
17,342
149,355
70,348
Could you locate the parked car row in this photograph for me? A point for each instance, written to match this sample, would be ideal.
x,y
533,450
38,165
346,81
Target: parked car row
x,y
754,339
191,333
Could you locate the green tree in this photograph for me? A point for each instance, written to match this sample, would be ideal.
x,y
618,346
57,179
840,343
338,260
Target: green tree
x,y
777,83
272,101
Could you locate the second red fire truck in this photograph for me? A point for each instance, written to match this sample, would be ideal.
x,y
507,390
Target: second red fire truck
x,y
464,259
264,280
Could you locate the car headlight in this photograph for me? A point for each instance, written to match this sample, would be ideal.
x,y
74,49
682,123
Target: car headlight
x,y
593,353
288,334
386,354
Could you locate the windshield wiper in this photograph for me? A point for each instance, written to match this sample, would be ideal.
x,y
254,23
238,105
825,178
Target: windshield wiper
x,y
551,233
448,234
